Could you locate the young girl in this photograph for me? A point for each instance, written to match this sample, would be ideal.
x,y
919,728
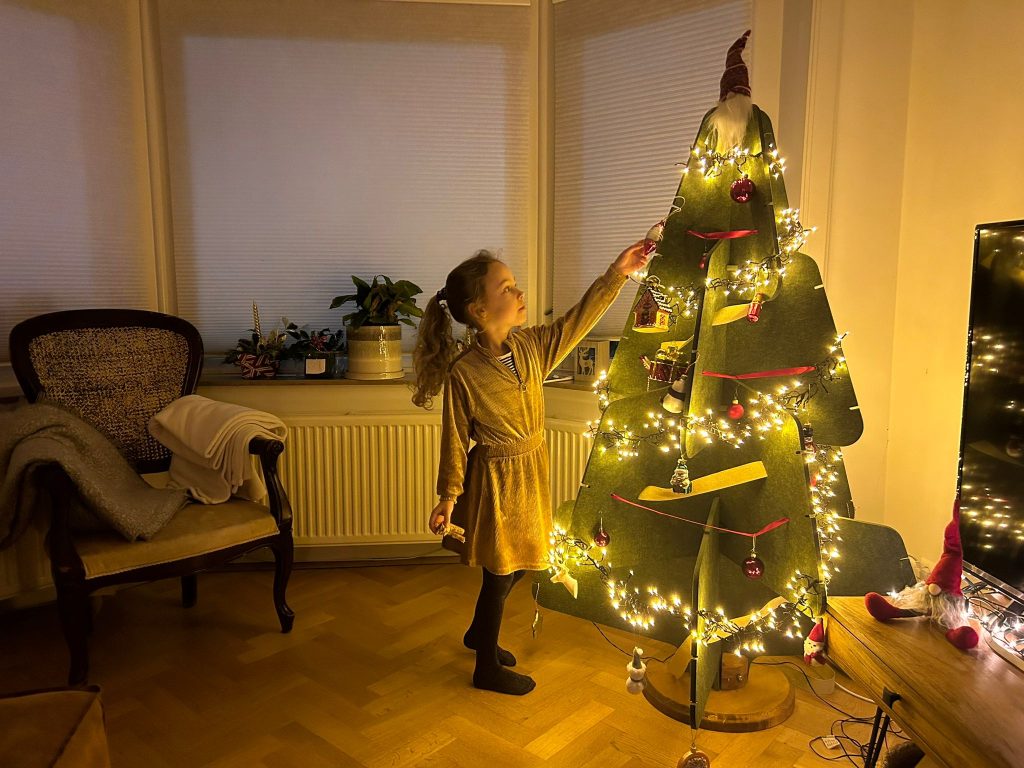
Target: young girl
x,y
498,491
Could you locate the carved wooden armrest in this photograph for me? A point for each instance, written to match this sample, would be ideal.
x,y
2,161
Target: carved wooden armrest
x,y
269,451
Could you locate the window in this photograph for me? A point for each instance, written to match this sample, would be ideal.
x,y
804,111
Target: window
x,y
310,141
632,82
75,223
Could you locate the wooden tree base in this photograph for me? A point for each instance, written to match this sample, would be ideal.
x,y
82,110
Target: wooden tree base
x,y
765,701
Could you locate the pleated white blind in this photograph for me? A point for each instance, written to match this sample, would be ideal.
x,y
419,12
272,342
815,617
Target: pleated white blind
x,y
632,81
73,186
316,139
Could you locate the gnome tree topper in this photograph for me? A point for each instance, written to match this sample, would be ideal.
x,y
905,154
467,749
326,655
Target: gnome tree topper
x,y
938,597
730,117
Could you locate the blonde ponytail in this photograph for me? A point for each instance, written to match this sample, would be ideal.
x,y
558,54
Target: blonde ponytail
x,y
435,350
436,347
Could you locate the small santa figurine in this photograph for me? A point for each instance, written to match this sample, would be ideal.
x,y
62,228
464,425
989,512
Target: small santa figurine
x,y
938,597
814,646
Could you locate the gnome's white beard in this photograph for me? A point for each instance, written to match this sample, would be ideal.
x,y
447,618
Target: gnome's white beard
x,y
948,611
729,122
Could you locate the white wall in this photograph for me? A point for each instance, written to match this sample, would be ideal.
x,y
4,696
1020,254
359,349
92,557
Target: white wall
x,y
962,167
852,192
920,147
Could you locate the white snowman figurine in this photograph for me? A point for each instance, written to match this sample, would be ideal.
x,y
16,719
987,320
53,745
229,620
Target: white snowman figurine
x,y
637,671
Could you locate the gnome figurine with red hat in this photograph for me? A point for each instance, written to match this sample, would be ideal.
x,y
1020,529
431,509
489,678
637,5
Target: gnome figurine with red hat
x,y
814,646
938,597
729,119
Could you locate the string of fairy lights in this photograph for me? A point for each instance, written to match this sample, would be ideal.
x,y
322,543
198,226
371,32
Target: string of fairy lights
x,y
664,433
642,607
766,412
711,164
683,299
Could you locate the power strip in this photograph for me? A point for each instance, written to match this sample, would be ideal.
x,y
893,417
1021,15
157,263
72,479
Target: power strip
x,y
830,742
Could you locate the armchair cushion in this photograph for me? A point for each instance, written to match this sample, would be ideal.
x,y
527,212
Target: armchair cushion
x,y
197,529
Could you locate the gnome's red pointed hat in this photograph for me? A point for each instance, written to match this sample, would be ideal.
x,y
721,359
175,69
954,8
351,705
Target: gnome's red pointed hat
x,y
817,634
948,572
735,79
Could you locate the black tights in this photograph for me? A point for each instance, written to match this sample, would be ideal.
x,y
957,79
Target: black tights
x,y
487,616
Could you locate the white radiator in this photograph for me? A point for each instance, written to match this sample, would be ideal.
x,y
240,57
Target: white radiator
x,y
351,480
355,481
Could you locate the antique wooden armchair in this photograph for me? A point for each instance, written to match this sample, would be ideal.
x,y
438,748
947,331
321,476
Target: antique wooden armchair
x,y
117,368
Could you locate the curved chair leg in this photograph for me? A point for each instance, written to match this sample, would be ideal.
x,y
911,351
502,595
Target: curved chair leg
x,y
283,551
189,590
75,618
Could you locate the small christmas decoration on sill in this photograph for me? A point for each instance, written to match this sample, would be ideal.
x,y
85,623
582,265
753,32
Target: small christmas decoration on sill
x,y
259,355
319,351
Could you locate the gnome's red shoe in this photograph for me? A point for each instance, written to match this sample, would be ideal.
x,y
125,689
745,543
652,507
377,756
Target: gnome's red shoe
x,y
963,638
883,610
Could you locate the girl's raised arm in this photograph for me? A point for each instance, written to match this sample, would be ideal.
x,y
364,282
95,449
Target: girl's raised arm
x,y
553,342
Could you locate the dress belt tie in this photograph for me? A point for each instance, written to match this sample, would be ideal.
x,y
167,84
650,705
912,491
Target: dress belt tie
x,y
507,450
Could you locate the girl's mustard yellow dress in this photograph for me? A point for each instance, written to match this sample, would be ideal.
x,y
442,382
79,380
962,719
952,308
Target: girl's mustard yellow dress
x,y
501,484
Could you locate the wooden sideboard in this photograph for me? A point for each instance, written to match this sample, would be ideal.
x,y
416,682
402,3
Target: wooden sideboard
x,y
964,709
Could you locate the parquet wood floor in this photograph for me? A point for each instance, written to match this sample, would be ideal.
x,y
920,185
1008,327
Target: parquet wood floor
x,y
373,675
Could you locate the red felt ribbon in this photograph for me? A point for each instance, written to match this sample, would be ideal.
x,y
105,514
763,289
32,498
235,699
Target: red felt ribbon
x,y
730,235
770,527
763,374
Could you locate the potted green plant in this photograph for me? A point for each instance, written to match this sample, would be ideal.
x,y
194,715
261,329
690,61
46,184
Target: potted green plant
x,y
374,330
259,356
319,351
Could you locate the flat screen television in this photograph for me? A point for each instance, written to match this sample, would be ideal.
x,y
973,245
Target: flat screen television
x,y
991,473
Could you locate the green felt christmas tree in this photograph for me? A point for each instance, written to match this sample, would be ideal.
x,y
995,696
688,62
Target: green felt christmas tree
x,y
716,485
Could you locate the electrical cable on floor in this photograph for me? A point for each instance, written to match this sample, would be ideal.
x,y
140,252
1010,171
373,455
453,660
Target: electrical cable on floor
x,y
808,679
855,695
852,749
628,653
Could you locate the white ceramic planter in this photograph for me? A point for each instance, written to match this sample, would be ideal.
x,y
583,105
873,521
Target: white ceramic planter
x,y
375,353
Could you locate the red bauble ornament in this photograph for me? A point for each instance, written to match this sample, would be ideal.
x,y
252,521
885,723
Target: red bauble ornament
x,y
753,567
742,190
602,538
735,410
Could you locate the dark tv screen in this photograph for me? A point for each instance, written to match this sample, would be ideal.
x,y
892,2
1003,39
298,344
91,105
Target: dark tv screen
x,y
992,435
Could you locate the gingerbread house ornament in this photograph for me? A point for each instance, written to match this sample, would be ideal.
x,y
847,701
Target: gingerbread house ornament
x,y
653,312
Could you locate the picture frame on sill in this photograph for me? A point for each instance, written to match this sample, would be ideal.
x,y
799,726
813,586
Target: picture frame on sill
x,y
593,355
